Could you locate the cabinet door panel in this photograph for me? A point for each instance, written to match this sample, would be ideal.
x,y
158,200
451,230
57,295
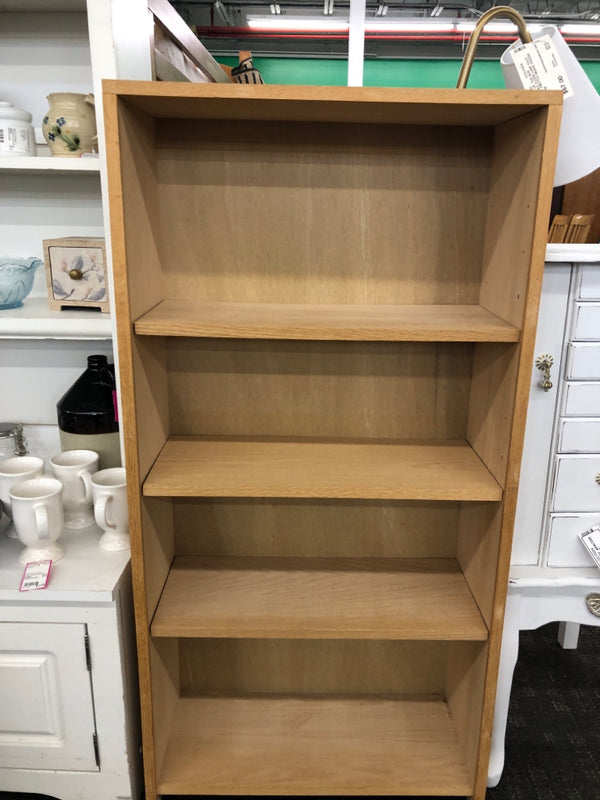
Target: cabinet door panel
x,y
575,486
46,711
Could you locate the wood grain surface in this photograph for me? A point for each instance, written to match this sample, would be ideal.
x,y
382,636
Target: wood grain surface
x,y
423,470
286,746
318,598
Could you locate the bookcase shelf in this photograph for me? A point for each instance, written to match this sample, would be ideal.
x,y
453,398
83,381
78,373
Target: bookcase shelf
x,y
277,746
318,598
437,323
326,315
203,467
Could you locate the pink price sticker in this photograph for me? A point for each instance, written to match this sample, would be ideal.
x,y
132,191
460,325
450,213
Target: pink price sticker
x,y
36,575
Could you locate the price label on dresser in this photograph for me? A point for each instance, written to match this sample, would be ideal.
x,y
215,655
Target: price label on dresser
x,y
591,541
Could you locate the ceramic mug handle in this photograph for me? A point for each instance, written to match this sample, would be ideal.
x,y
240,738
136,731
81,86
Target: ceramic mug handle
x,y
86,478
41,520
100,512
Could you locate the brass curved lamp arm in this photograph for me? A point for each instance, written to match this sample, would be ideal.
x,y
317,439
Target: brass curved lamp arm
x,y
498,11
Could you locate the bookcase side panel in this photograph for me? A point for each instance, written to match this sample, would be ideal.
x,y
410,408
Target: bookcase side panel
x,y
144,402
517,217
531,142
465,680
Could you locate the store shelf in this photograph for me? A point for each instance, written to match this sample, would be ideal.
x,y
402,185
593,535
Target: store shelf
x,y
48,164
256,467
34,320
304,746
314,598
419,323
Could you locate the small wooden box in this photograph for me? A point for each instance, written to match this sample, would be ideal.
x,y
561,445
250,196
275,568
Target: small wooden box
x,y
76,273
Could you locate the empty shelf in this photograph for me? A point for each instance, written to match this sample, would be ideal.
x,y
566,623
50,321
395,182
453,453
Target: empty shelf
x,y
312,598
310,746
417,323
256,467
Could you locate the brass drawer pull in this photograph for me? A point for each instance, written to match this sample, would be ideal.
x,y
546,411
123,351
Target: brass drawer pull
x,y
543,363
592,601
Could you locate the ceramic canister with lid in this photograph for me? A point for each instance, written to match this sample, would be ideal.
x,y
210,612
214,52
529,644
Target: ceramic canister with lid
x,y
17,136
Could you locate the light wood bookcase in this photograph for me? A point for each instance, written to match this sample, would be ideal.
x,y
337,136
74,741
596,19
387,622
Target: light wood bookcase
x,y
326,302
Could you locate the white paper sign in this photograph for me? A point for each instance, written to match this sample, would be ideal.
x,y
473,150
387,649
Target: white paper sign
x,y
540,67
591,541
35,576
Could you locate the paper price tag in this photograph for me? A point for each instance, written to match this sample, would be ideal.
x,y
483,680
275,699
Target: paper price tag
x,y
35,575
591,541
539,66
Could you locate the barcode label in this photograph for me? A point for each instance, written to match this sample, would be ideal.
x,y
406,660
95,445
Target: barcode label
x,y
36,575
539,66
591,541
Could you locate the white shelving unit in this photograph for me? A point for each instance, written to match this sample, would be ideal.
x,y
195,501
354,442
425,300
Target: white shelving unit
x,y
63,45
45,164
34,320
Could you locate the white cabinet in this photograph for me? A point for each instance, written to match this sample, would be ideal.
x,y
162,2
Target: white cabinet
x,y
552,575
69,719
68,687
46,706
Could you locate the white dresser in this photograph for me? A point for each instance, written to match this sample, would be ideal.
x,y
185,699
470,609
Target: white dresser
x,y
552,575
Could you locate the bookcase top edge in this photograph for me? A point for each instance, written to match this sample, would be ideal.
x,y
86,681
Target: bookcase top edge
x,y
363,94
439,107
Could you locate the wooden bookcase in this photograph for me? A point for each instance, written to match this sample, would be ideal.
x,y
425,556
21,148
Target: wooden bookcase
x,y
326,305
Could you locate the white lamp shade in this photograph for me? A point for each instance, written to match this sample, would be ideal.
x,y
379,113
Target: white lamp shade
x,y
579,141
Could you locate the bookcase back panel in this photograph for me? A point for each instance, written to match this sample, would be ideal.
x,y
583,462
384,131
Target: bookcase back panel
x,y
333,389
297,212
315,528
285,666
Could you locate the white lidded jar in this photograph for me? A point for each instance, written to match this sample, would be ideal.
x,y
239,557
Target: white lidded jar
x,y
16,131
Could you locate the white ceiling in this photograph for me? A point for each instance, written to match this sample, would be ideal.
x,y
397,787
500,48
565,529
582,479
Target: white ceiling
x,y
223,26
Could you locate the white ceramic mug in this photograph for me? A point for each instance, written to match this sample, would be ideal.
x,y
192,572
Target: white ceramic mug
x,y
13,470
109,489
74,469
38,518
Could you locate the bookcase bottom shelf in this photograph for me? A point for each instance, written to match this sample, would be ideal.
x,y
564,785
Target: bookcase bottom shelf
x,y
313,746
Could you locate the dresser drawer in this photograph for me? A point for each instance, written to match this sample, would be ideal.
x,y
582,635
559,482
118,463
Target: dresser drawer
x,y
565,548
587,322
583,362
575,487
582,399
589,288
579,436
